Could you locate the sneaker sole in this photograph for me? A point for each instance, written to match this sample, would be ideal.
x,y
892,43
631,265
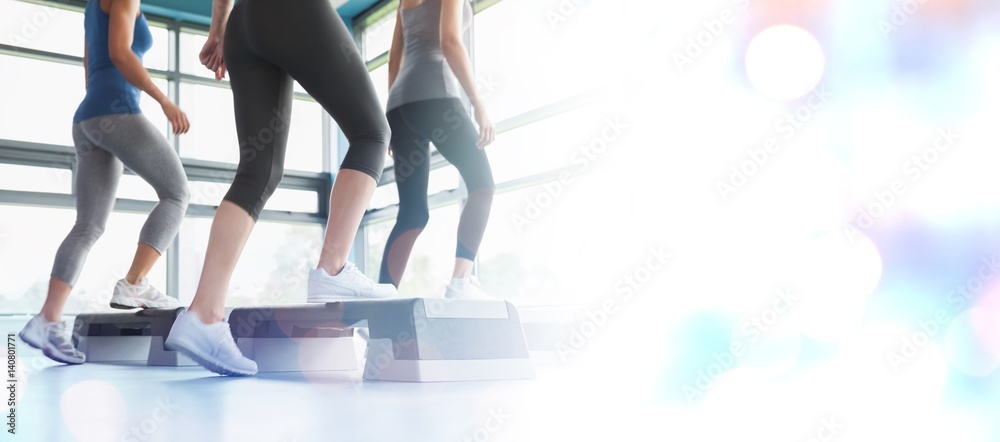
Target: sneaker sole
x,y
57,358
327,298
204,361
129,304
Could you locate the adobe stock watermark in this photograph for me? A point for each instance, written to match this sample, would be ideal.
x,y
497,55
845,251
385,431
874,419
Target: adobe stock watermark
x,y
93,136
752,329
493,424
626,288
711,30
380,358
563,10
280,121
32,25
757,158
828,430
148,426
584,157
928,329
912,171
901,14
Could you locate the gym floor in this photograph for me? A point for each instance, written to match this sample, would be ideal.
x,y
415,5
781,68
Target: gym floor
x,y
105,402
613,388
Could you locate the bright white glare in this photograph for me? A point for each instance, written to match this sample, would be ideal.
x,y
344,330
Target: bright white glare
x,y
784,62
774,352
833,278
93,411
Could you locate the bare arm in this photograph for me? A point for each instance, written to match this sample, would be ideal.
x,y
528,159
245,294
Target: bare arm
x,y
396,50
220,17
458,59
211,55
120,35
454,49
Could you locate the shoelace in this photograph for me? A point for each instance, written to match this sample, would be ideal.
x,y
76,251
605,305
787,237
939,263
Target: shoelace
x,y
351,267
229,343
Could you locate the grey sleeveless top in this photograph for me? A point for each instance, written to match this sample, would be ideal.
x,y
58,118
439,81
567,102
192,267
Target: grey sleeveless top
x,y
425,74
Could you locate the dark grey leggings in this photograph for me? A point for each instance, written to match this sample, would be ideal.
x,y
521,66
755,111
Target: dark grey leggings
x,y
445,123
103,144
269,43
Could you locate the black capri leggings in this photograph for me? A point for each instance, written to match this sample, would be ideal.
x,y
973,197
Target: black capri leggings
x,y
269,43
445,123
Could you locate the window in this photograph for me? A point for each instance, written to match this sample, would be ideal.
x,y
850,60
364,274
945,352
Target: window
x,y
534,251
28,113
433,258
305,137
27,258
384,196
556,142
43,28
133,187
158,56
153,111
191,45
213,134
274,268
377,38
213,124
380,78
541,63
35,179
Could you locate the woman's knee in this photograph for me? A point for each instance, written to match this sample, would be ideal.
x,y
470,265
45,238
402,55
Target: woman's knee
x,y
368,147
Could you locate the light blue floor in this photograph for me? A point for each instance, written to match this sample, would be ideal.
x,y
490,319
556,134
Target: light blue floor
x,y
105,402
640,377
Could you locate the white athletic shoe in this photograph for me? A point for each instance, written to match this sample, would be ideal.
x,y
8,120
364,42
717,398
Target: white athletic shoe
x,y
141,295
467,288
210,345
53,339
350,283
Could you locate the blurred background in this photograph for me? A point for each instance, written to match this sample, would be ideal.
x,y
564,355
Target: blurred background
x,y
789,204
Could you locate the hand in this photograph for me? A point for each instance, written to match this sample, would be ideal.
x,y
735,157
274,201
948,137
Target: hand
x,y
212,57
487,132
178,119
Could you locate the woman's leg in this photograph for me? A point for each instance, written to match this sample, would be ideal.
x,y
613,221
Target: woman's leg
x,y
457,144
318,51
411,156
137,143
262,96
96,181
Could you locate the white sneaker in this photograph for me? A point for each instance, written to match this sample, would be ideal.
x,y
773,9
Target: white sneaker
x,y
465,288
141,295
53,339
350,283
210,345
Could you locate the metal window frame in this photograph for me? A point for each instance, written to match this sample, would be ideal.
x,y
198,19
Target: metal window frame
x,y
63,157
458,195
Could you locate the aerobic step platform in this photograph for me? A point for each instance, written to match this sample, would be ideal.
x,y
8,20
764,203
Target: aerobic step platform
x,y
128,337
417,340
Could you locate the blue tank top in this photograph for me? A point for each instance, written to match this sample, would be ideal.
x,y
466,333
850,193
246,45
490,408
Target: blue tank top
x,y
107,90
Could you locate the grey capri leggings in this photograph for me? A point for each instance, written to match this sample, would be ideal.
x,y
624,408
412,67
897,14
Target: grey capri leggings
x,y
269,43
103,146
